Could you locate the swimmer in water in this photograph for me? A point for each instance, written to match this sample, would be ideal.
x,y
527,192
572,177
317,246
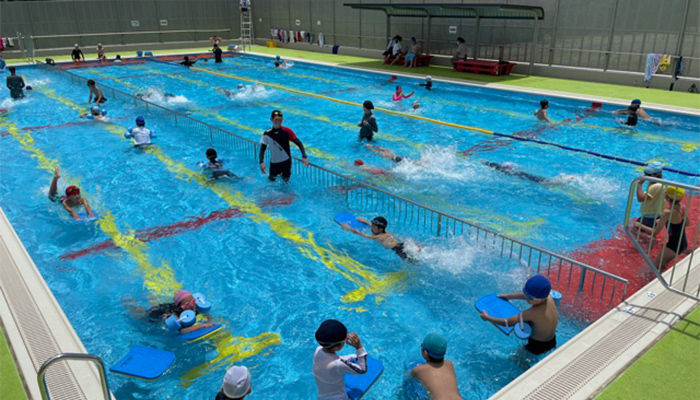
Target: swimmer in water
x,y
142,136
379,233
384,153
368,168
400,95
182,300
280,63
368,124
415,105
391,79
510,169
71,200
230,93
634,112
187,62
149,94
542,112
95,113
96,92
215,167
428,83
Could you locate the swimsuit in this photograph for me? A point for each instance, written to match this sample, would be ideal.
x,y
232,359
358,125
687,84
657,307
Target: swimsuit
x,y
277,139
676,236
400,250
537,347
157,313
367,132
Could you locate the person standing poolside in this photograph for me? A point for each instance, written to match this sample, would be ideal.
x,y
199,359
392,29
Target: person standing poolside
x,y
413,53
15,83
652,199
71,200
329,368
542,316
77,55
215,40
101,53
542,112
437,375
674,219
237,384
277,139
217,53
368,125
95,91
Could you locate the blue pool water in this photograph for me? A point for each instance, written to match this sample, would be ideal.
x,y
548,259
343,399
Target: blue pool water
x,y
270,256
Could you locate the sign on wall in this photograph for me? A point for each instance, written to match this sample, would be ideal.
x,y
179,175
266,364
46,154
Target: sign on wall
x,y
163,22
298,22
318,22
453,29
135,23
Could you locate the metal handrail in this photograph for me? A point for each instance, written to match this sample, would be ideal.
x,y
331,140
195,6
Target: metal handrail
x,y
635,234
129,33
431,220
41,374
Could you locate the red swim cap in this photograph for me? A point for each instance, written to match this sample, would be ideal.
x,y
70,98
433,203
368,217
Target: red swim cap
x,y
71,190
359,162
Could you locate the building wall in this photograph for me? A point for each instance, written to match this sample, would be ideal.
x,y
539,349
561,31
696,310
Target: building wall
x,y
78,18
573,32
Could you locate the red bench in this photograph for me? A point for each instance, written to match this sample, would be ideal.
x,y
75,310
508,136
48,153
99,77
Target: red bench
x,y
421,60
494,68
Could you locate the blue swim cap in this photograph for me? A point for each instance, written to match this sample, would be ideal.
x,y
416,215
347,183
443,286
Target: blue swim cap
x,y
435,345
140,121
278,57
654,168
538,287
636,101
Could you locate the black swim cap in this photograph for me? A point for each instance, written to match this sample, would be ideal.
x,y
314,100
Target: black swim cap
x,y
91,82
368,105
276,113
380,222
331,333
211,153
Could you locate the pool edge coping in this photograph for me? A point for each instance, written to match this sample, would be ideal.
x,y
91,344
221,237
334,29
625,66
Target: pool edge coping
x,y
62,331
631,310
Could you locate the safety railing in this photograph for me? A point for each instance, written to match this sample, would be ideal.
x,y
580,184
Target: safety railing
x,y
561,269
41,374
663,233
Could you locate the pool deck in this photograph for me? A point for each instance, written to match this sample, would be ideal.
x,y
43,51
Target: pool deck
x,y
36,328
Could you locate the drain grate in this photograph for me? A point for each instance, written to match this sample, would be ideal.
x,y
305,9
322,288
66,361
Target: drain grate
x,y
35,332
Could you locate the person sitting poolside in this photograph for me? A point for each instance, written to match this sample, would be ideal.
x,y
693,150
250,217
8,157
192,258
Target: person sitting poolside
x,y
542,112
188,62
236,385
182,300
328,367
379,233
400,95
215,167
72,200
118,59
437,375
542,316
77,55
461,52
101,53
95,113
652,199
142,136
509,168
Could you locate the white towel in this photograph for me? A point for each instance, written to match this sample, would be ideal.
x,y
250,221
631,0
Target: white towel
x,y
321,39
652,64
291,35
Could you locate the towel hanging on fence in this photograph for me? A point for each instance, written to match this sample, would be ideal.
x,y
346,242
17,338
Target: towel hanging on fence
x,y
291,34
321,39
652,64
665,62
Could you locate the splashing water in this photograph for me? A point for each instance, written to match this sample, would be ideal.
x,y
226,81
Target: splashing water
x,y
438,162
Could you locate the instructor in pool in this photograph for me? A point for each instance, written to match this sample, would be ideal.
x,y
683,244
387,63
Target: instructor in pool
x,y
277,139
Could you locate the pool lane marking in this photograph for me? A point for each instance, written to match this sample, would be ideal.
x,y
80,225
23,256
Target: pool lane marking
x,y
333,99
186,225
157,280
368,282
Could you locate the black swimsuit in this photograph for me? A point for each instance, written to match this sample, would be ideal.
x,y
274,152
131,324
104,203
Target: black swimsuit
x,y
676,236
537,347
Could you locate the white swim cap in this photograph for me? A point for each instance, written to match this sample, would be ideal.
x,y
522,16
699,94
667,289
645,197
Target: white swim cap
x,y
428,78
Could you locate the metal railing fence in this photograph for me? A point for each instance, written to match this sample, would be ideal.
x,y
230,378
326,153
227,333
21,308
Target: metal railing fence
x,y
658,215
359,194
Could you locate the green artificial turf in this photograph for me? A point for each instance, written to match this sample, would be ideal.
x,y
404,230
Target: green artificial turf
x,y
669,370
10,384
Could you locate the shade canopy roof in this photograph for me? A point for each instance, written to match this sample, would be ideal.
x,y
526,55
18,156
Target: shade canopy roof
x,y
449,10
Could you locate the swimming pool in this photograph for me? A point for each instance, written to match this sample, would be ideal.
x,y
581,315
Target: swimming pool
x,y
284,254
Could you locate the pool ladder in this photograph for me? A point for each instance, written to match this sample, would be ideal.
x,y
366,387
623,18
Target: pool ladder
x,y
247,29
41,375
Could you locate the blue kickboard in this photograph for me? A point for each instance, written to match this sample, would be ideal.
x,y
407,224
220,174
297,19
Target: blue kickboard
x,y
357,386
497,308
84,217
199,333
347,218
144,362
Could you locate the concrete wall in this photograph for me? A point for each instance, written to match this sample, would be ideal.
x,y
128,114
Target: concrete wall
x,y
80,18
573,33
